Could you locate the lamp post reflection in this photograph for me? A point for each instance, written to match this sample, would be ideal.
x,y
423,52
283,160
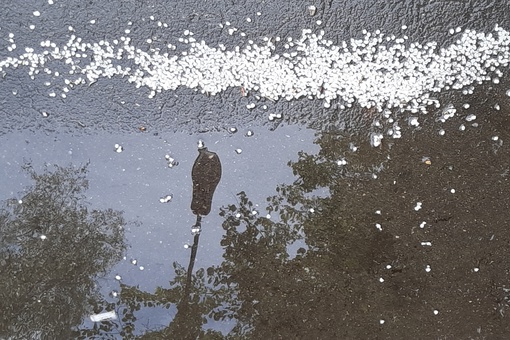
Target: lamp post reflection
x,y
206,175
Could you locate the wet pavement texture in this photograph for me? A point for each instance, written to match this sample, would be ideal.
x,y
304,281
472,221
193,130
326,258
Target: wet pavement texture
x,y
356,212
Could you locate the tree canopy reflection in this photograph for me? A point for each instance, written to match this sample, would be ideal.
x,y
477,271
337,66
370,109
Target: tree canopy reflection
x,y
52,247
361,272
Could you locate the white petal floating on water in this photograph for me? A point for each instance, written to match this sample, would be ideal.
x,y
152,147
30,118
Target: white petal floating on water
x,y
166,199
118,277
36,13
118,148
103,316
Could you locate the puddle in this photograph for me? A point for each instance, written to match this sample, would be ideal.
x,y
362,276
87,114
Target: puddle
x,y
364,171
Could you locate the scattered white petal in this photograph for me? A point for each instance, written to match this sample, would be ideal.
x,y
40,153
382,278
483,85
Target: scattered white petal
x,y
103,316
166,199
471,118
118,148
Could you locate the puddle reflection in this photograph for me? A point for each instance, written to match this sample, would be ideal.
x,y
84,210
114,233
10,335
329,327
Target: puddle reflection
x,y
52,249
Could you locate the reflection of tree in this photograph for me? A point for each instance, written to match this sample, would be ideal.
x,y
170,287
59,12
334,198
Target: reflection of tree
x,y
333,288
51,248
311,295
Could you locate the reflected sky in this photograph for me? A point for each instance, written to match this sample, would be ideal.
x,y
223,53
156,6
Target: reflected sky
x,y
135,179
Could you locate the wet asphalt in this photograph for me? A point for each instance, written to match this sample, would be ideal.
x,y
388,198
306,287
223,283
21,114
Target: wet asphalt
x,y
405,240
